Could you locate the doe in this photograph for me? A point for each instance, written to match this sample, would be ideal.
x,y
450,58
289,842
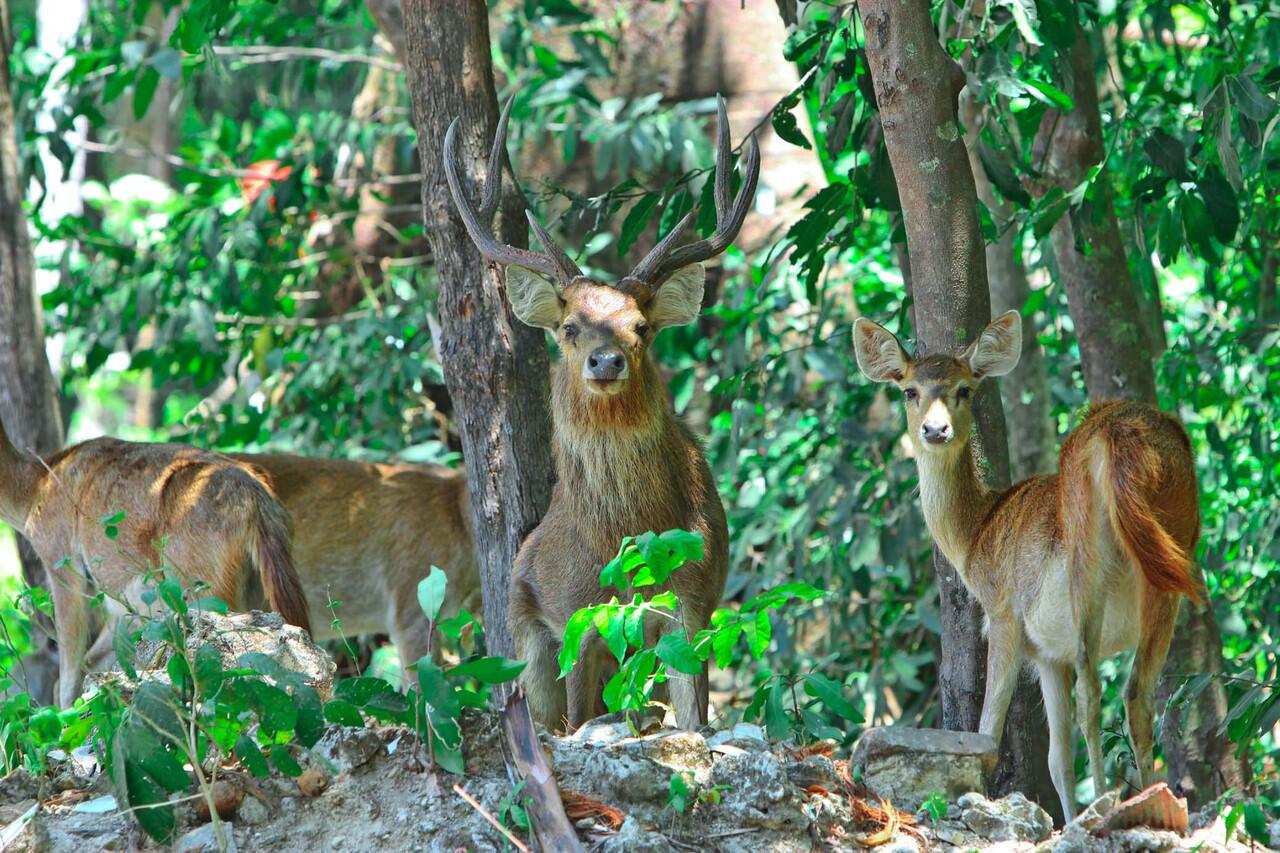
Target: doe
x,y
624,463
1070,567
224,525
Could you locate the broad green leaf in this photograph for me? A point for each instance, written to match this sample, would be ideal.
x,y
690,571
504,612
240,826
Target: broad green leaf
x,y
1251,100
45,726
676,652
490,670
787,128
1167,153
144,91
777,722
1255,823
251,757
284,761
310,725
831,693
1050,94
436,689
574,630
723,642
343,713
1224,208
637,219
431,590
450,758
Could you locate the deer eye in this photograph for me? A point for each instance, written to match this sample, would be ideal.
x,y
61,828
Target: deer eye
x,y
911,394
642,329
570,331
964,392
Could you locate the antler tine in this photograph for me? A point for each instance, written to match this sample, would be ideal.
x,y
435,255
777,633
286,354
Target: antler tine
x,y
556,265
568,268
663,260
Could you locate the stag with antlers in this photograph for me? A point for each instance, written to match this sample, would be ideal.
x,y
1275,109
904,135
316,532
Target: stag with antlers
x,y
625,463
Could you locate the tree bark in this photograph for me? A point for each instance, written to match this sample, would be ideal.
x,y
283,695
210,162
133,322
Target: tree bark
x,y
1116,356
28,398
1028,409
496,368
917,87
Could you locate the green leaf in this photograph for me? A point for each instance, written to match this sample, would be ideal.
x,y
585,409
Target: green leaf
x,y
436,689
787,128
571,643
208,674
1224,209
637,219
276,711
1197,224
1050,94
310,725
1167,153
1000,173
431,590
777,722
1255,823
759,632
490,670
610,622
1025,18
284,761
723,642
676,652
831,693
343,713
251,757
1251,100
144,91
126,651
45,726
449,757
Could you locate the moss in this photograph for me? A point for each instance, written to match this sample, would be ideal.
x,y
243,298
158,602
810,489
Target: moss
x,y
929,166
948,132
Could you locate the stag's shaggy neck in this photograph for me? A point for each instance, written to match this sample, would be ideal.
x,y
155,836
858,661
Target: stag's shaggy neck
x,y
620,458
954,499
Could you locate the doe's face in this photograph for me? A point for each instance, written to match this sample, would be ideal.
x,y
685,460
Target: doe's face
x,y
604,333
938,390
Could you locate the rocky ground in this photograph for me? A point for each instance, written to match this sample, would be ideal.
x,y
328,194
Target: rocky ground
x,y
368,789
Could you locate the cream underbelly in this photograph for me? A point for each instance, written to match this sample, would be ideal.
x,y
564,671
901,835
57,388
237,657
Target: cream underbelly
x,y
1051,626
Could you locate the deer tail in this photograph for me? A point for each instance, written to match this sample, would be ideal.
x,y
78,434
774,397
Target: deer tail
x,y
273,558
1130,474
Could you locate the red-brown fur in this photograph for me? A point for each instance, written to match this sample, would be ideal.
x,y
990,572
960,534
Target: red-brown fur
x,y
1069,568
223,526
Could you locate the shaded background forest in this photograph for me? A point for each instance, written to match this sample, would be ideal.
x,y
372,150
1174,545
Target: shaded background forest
x,y
230,253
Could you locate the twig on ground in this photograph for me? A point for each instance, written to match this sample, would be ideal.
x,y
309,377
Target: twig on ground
x,y
484,813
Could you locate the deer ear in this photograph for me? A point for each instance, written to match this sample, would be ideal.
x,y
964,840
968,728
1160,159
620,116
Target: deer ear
x,y
998,348
880,357
678,301
533,299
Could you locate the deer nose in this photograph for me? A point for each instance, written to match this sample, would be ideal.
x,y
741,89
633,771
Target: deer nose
x,y
606,363
935,432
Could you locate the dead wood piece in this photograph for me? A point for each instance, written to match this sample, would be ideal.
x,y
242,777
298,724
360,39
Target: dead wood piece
x,y
1155,808
543,804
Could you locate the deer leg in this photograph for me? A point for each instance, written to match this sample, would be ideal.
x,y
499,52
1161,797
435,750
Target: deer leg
x,y
1159,613
1089,698
689,692
1055,686
71,625
583,682
1004,661
539,648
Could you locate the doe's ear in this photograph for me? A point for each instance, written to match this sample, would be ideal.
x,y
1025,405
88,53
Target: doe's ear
x,y
533,299
678,301
880,357
998,348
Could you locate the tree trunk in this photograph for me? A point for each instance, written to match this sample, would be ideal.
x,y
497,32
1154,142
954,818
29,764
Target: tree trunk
x,y
917,85
496,368
1116,357
28,399
1028,409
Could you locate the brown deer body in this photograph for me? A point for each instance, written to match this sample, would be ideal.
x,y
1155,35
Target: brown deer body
x,y
365,534
224,527
624,463
1069,568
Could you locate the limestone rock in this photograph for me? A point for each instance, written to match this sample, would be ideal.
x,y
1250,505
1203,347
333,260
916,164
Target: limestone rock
x,y
345,748
906,765
632,836
757,792
1011,818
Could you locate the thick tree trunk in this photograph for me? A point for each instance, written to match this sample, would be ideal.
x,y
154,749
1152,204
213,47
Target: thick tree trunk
x,y
496,368
1116,355
28,400
916,87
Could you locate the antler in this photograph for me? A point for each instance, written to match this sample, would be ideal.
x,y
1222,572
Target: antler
x,y
663,259
479,224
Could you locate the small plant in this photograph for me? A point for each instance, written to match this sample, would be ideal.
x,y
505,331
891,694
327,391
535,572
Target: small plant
x,y
648,561
683,791
1254,818
935,805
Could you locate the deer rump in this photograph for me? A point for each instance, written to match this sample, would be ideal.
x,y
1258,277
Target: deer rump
x,y
208,518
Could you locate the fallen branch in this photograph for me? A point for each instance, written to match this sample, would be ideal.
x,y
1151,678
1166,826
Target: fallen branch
x,y
525,758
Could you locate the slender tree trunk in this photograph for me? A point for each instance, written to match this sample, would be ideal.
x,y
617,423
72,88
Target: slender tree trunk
x,y
28,399
1025,391
917,86
496,368
1116,355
